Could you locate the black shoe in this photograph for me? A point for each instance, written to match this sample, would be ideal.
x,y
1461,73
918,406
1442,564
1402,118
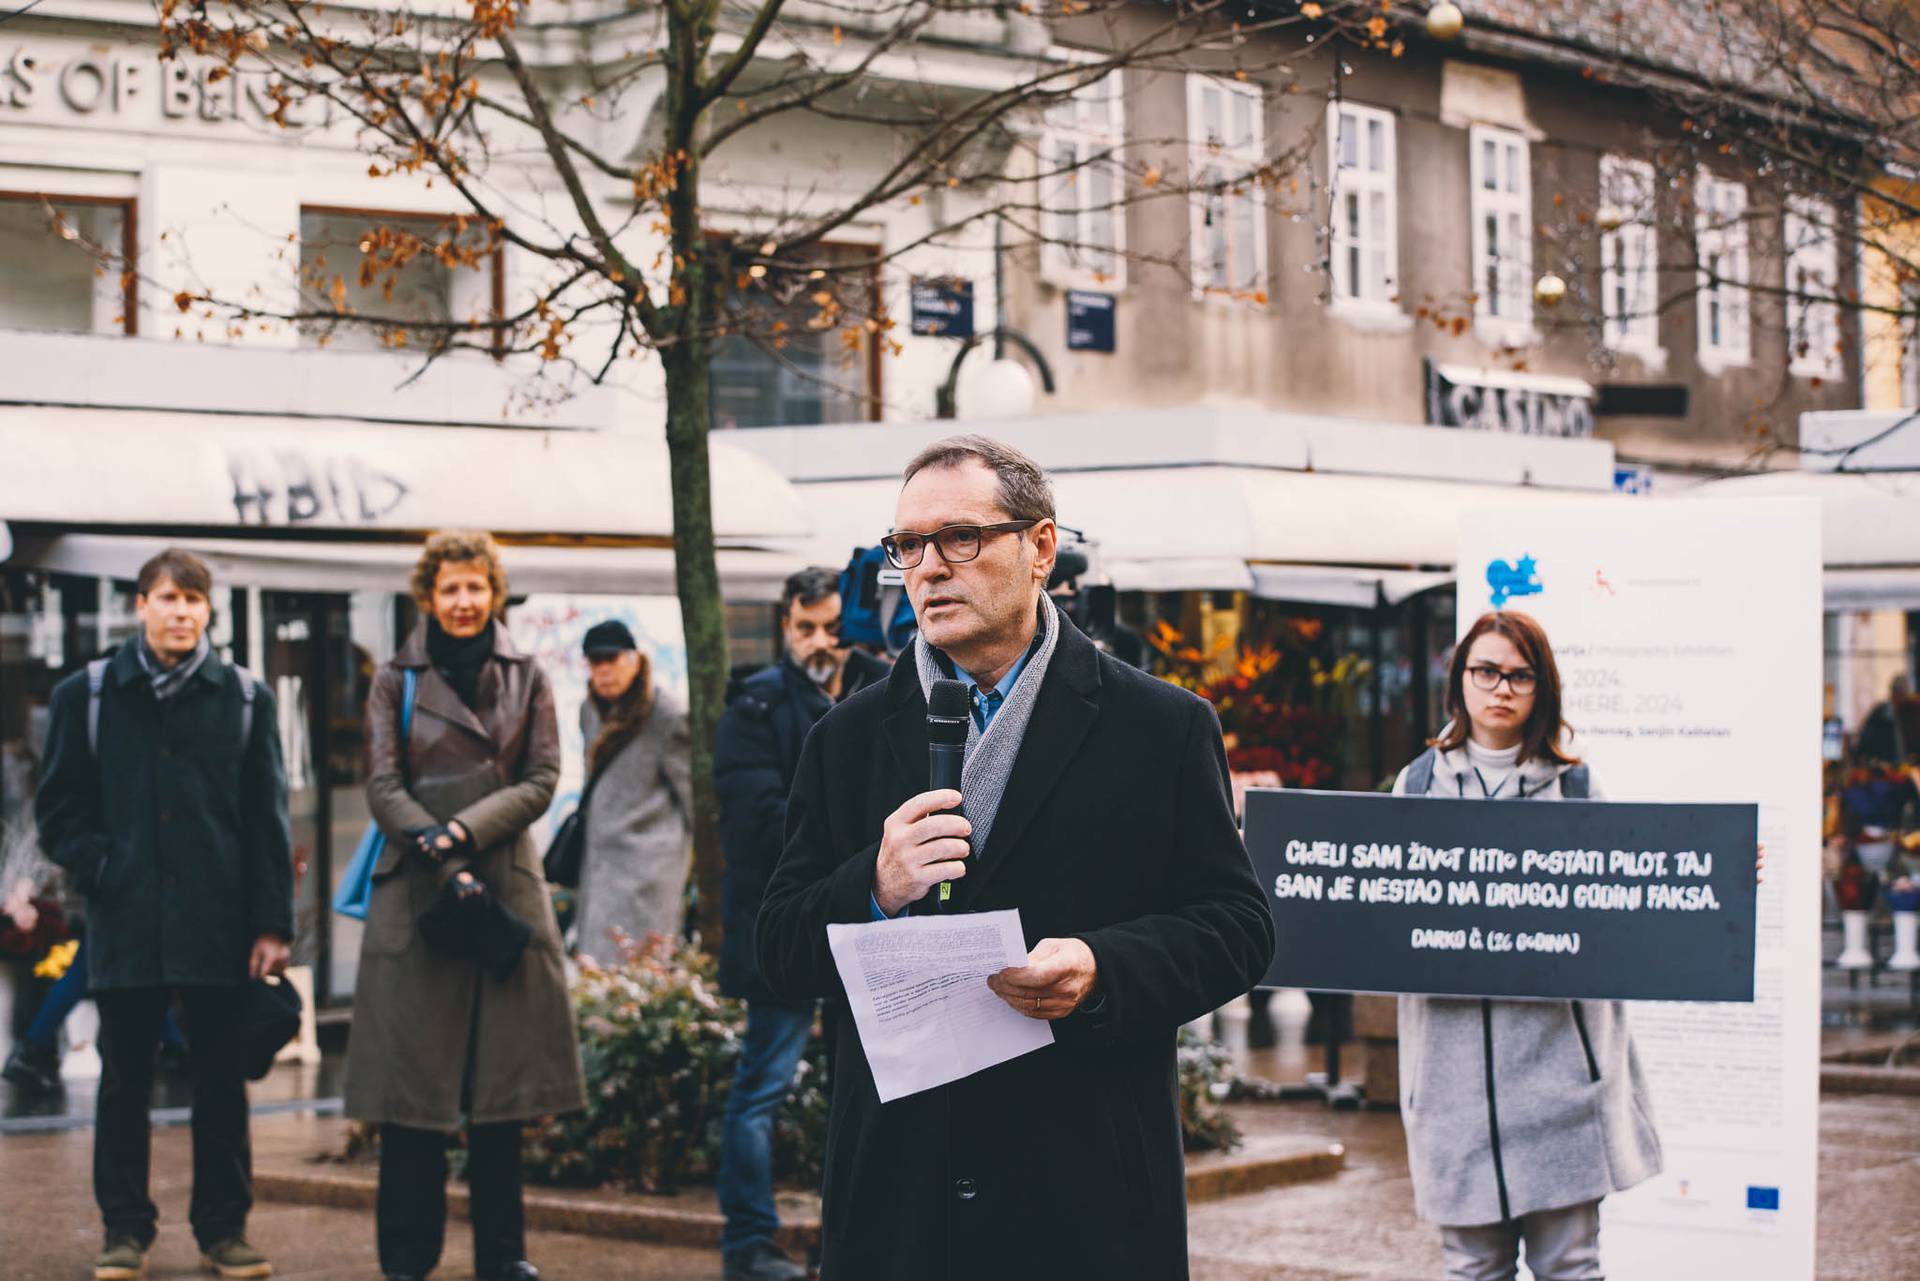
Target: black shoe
x,y
33,1067
518,1270
402,1276
762,1262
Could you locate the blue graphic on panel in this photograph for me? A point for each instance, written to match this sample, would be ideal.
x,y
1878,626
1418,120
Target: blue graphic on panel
x,y
1763,1198
1519,578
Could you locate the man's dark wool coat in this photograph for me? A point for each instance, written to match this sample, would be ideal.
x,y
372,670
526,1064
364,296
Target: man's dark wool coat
x,y
177,835
756,750
1116,828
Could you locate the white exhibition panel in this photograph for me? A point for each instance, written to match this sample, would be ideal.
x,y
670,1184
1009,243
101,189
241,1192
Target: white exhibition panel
x,y
1688,637
334,566
104,467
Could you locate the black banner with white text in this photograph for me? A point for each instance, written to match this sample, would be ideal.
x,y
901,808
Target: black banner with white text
x,y
1577,899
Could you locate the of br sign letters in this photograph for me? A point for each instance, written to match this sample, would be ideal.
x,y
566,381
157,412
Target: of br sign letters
x,y
1589,901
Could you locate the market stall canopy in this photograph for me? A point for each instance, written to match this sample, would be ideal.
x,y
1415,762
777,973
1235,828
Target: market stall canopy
x,y
1295,507
97,469
334,566
1870,530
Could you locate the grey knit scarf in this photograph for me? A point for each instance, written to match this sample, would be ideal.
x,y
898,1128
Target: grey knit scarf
x,y
168,681
990,756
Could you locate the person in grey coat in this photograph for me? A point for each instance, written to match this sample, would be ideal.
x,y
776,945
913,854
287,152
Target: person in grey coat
x,y
639,806
1520,1115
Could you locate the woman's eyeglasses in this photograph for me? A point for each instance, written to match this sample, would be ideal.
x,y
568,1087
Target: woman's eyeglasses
x,y
958,544
1521,680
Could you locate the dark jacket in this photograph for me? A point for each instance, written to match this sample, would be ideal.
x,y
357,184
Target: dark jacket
x,y
755,752
425,1021
177,835
1116,828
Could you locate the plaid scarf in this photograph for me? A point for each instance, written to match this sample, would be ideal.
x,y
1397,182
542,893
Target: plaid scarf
x,y
168,681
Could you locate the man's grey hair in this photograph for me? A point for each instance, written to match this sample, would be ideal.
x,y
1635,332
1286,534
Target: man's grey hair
x,y
1025,491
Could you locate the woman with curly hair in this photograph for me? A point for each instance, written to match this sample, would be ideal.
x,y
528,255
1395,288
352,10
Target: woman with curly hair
x,y
460,1008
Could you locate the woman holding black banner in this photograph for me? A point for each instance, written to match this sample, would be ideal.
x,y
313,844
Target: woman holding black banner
x,y
1520,1115
460,1008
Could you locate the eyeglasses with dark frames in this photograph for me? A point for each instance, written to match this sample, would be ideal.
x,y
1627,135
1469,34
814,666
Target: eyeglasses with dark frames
x,y
958,544
1520,680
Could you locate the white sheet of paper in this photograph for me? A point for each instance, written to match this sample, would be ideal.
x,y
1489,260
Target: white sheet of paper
x,y
918,988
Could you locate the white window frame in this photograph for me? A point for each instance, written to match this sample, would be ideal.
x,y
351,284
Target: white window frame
x,y
1232,159
1091,126
1502,274
1629,257
1364,275
1720,237
1812,256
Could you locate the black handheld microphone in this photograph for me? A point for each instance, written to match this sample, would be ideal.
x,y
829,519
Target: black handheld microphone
x,y
947,718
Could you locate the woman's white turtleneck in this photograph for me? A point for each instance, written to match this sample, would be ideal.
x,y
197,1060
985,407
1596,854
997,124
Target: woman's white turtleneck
x,y
1496,768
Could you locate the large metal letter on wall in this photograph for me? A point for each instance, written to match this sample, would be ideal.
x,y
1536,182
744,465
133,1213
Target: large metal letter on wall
x,y
1688,636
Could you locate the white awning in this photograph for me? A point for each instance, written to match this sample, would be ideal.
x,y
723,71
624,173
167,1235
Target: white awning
x,y
1337,585
1291,535
1865,589
100,468
335,566
1868,520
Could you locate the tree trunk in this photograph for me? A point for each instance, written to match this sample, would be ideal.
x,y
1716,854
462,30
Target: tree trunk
x,y
702,617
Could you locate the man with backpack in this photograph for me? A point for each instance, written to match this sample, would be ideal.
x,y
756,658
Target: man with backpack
x,y
164,800
756,749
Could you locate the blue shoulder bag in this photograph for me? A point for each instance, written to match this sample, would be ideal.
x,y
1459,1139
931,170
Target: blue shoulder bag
x,y
356,887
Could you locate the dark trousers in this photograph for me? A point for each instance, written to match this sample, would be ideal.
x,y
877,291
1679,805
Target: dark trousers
x,y
65,996
411,1220
130,1022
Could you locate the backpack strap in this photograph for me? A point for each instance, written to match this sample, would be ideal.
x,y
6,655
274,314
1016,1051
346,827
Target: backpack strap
x,y
1420,773
96,682
1576,784
249,690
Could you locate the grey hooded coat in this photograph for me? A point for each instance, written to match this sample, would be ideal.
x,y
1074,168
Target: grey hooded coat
x,y
1510,1106
639,833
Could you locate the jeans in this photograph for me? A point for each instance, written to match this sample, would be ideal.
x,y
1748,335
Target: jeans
x,y
776,1038
68,992
410,1218
1562,1245
130,1020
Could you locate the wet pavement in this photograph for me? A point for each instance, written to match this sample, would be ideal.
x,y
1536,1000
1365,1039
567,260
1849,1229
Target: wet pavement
x,y
1358,1226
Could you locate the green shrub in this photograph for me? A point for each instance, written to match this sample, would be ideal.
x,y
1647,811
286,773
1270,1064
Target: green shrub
x,y
1206,1077
659,1044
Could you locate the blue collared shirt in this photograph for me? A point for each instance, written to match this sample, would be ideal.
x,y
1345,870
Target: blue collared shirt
x,y
984,706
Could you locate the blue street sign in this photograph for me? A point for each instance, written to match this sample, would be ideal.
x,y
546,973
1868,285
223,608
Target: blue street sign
x,y
1089,321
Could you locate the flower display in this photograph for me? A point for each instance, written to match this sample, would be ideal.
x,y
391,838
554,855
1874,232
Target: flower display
x,y
1276,702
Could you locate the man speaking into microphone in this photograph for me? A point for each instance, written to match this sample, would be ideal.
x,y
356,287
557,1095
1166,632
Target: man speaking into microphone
x,y
1094,800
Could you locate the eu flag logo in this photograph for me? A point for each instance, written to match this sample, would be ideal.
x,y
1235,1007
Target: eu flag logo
x,y
1763,1198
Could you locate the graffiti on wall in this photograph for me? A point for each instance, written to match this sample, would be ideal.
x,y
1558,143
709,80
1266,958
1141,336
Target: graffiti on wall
x,y
290,487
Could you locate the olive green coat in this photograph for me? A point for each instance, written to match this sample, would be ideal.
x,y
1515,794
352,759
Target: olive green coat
x,y
425,1023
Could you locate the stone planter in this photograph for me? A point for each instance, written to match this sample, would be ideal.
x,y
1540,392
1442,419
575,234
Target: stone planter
x,y
1854,953
1906,942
